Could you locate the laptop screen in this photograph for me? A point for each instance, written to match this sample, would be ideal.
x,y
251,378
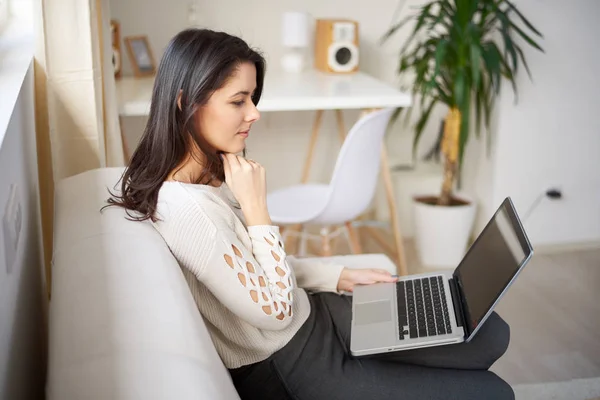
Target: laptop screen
x,y
491,263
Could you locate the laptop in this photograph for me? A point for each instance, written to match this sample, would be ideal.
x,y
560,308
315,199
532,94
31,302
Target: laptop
x,y
446,307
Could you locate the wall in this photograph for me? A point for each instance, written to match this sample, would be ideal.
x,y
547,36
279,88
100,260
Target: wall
x,y
551,137
22,300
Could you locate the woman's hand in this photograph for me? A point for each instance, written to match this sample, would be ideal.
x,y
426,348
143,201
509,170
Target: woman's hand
x,y
349,278
247,181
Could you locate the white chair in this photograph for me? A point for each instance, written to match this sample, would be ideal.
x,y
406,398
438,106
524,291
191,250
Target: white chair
x,y
347,195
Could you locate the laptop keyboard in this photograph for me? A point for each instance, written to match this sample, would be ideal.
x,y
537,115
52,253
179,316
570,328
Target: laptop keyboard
x,y
422,307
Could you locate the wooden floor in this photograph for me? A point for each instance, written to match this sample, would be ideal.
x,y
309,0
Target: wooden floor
x,y
553,309
554,313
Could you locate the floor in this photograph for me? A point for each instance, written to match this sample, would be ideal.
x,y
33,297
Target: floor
x,y
554,313
553,309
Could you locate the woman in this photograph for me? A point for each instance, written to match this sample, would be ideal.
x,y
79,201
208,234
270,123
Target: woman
x,y
279,324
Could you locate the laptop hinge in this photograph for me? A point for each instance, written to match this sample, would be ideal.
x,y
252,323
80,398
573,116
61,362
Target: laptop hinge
x,y
458,305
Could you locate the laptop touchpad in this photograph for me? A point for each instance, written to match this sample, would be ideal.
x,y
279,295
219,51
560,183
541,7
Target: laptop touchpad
x,y
372,313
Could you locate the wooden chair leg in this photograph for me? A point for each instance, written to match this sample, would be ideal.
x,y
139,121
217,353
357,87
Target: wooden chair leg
x,y
325,243
291,240
303,240
389,189
353,238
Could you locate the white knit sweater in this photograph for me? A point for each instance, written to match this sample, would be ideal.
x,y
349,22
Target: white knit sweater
x,y
250,293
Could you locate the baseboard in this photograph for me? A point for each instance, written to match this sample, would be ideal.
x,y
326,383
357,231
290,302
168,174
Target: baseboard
x,y
566,247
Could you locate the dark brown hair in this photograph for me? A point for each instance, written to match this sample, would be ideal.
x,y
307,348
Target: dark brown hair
x,y
196,62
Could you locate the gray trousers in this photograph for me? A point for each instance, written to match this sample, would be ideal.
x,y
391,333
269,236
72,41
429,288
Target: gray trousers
x,y
317,365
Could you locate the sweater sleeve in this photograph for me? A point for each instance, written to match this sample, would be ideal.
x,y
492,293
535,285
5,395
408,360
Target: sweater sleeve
x,y
255,284
316,275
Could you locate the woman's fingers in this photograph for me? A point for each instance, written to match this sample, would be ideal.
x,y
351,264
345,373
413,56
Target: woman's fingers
x,y
243,162
251,163
382,271
387,275
226,168
381,275
234,162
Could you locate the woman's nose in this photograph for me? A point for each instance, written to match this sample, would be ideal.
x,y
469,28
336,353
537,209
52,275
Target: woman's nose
x,y
253,113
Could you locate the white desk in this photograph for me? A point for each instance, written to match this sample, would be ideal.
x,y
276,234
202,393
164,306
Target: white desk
x,y
309,90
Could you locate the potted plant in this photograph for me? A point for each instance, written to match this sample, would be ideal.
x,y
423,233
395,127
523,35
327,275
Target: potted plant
x,y
459,51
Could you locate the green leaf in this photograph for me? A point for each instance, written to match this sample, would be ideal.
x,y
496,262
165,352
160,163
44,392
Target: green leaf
x,y
443,17
459,87
480,105
462,11
524,60
506,70
395,115
508,42
527,38
440,52
525,21
487,106
446,5
465,111
475,63
420,22
408,115
390,32
422,123
484,13
491,58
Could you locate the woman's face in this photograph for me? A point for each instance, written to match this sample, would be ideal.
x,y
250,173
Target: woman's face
x,y
226,119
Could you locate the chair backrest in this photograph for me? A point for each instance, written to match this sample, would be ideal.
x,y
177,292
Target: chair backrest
x,y
356,172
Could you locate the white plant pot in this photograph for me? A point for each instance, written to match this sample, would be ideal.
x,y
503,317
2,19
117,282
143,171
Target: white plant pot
x,y
442,232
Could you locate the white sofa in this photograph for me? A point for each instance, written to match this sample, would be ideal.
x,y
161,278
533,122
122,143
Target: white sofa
x,y
122,322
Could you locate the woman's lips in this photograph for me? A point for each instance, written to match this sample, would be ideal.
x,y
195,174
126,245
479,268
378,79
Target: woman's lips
x,y
244,134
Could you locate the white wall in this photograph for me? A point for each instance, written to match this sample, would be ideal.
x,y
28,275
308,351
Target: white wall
x,y
551,137
22,302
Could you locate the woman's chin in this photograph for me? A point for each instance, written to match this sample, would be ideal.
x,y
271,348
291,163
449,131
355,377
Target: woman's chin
x,y
237,148
234,150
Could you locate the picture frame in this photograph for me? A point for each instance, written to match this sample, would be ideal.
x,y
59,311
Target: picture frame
x,y
140,55
115,31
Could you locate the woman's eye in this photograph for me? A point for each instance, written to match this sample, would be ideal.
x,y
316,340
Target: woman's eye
x,y
238,103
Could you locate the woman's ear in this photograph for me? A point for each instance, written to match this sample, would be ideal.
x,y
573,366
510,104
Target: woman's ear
x,y
179,99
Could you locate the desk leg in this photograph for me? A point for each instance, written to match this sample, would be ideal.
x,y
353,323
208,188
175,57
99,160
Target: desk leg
x,y
311,145
340,124
353,238
306,172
